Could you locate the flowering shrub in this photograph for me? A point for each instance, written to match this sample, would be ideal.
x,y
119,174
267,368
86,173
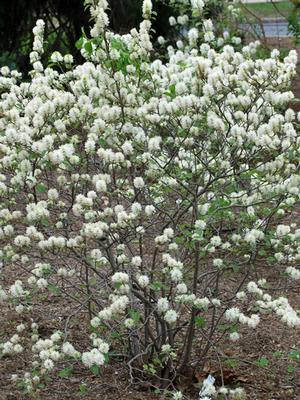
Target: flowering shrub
x,y
146,192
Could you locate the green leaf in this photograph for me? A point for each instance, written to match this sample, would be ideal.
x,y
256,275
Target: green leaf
x,y
66,372
83,389
179,239
263,362
171,93
235,267
45,222
270,260
53,289
117,285
290,369
157,286
88,47
41,188
102,142
115,335
135,315
295,355
200,322
106,358
172,89
277,354
224,327
79,43
231,363
95,369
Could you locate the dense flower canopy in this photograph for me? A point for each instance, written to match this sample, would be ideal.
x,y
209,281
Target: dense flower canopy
x,y
136,187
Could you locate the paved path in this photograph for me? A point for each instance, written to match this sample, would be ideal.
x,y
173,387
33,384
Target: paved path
x,y
272,28
276,28
260,1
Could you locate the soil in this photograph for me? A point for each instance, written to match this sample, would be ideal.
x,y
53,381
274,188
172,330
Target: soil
x,y
264,361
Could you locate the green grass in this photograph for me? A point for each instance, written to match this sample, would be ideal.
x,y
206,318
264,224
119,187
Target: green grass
x,y
268,10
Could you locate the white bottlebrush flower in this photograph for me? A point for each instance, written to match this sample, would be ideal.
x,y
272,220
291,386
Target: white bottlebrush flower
x,y
127,148
95,322
197,4
136,261
143,281
18,348
202,302
241,295
138,182
136,208
19,308
172,21
232,314
147,8
56,57
149,210
21,328
53,194
181,288
69,350
176,274
216,241
234,336
293,272
253,321
193,35
177,396
48,364
282,230
199,224
129,323
218,262
161,40
120,277
101,185
162,304
169,232
42,283
93,357
170,316
16,290
154,144
68,59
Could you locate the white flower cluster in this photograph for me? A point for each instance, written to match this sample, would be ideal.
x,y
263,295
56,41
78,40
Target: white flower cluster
x,y
38,46
293,272
99,14
147,8
12,346
235,315
163,307
96,356
198,4
165,237
282,308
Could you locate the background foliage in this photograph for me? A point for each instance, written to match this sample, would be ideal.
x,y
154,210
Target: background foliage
x,y
64,23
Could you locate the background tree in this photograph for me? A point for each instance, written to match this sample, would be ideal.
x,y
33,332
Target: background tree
x,y
64,21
